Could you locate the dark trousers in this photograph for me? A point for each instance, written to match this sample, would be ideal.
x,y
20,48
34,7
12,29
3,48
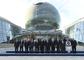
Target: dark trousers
x,y
73,48
26,49
58,49
31,49
42,49
53,48
47,49
21,48
36,49
63,48
16,49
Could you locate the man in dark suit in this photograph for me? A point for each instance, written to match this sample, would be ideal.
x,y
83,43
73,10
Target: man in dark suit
x,y
47,47
58,47
31,44
53,46
55,42
42,46
64,44
26,44
73,44
21,45
50,43
36,46
16,45
39,45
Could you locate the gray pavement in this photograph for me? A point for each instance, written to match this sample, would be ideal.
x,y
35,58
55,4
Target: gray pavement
x,y
41,58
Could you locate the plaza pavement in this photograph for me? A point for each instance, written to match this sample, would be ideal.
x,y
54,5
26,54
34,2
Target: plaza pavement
x,y
41,57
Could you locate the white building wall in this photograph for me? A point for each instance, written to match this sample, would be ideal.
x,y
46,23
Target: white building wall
x,y
4,30
77,31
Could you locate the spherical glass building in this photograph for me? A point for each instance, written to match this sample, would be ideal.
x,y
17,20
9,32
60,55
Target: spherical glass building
x,y
44,17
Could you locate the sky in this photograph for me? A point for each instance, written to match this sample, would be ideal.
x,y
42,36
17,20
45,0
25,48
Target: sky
x,y
16,10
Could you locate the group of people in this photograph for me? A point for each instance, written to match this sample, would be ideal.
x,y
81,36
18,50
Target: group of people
x,y
43,46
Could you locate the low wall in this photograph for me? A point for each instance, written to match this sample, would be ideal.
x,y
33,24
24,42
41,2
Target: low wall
x,y
5,45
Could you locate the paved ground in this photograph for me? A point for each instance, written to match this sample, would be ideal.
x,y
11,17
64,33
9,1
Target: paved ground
x,y
41,58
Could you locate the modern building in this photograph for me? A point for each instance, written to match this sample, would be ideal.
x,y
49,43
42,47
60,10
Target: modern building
x,y
43,20
76,30
44,16
8,30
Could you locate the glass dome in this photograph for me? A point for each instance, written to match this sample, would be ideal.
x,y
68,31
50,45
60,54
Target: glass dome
x,y
44,11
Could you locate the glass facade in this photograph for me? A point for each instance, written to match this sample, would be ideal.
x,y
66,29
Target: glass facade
x,y
77,31
44,14
5,31
8,30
